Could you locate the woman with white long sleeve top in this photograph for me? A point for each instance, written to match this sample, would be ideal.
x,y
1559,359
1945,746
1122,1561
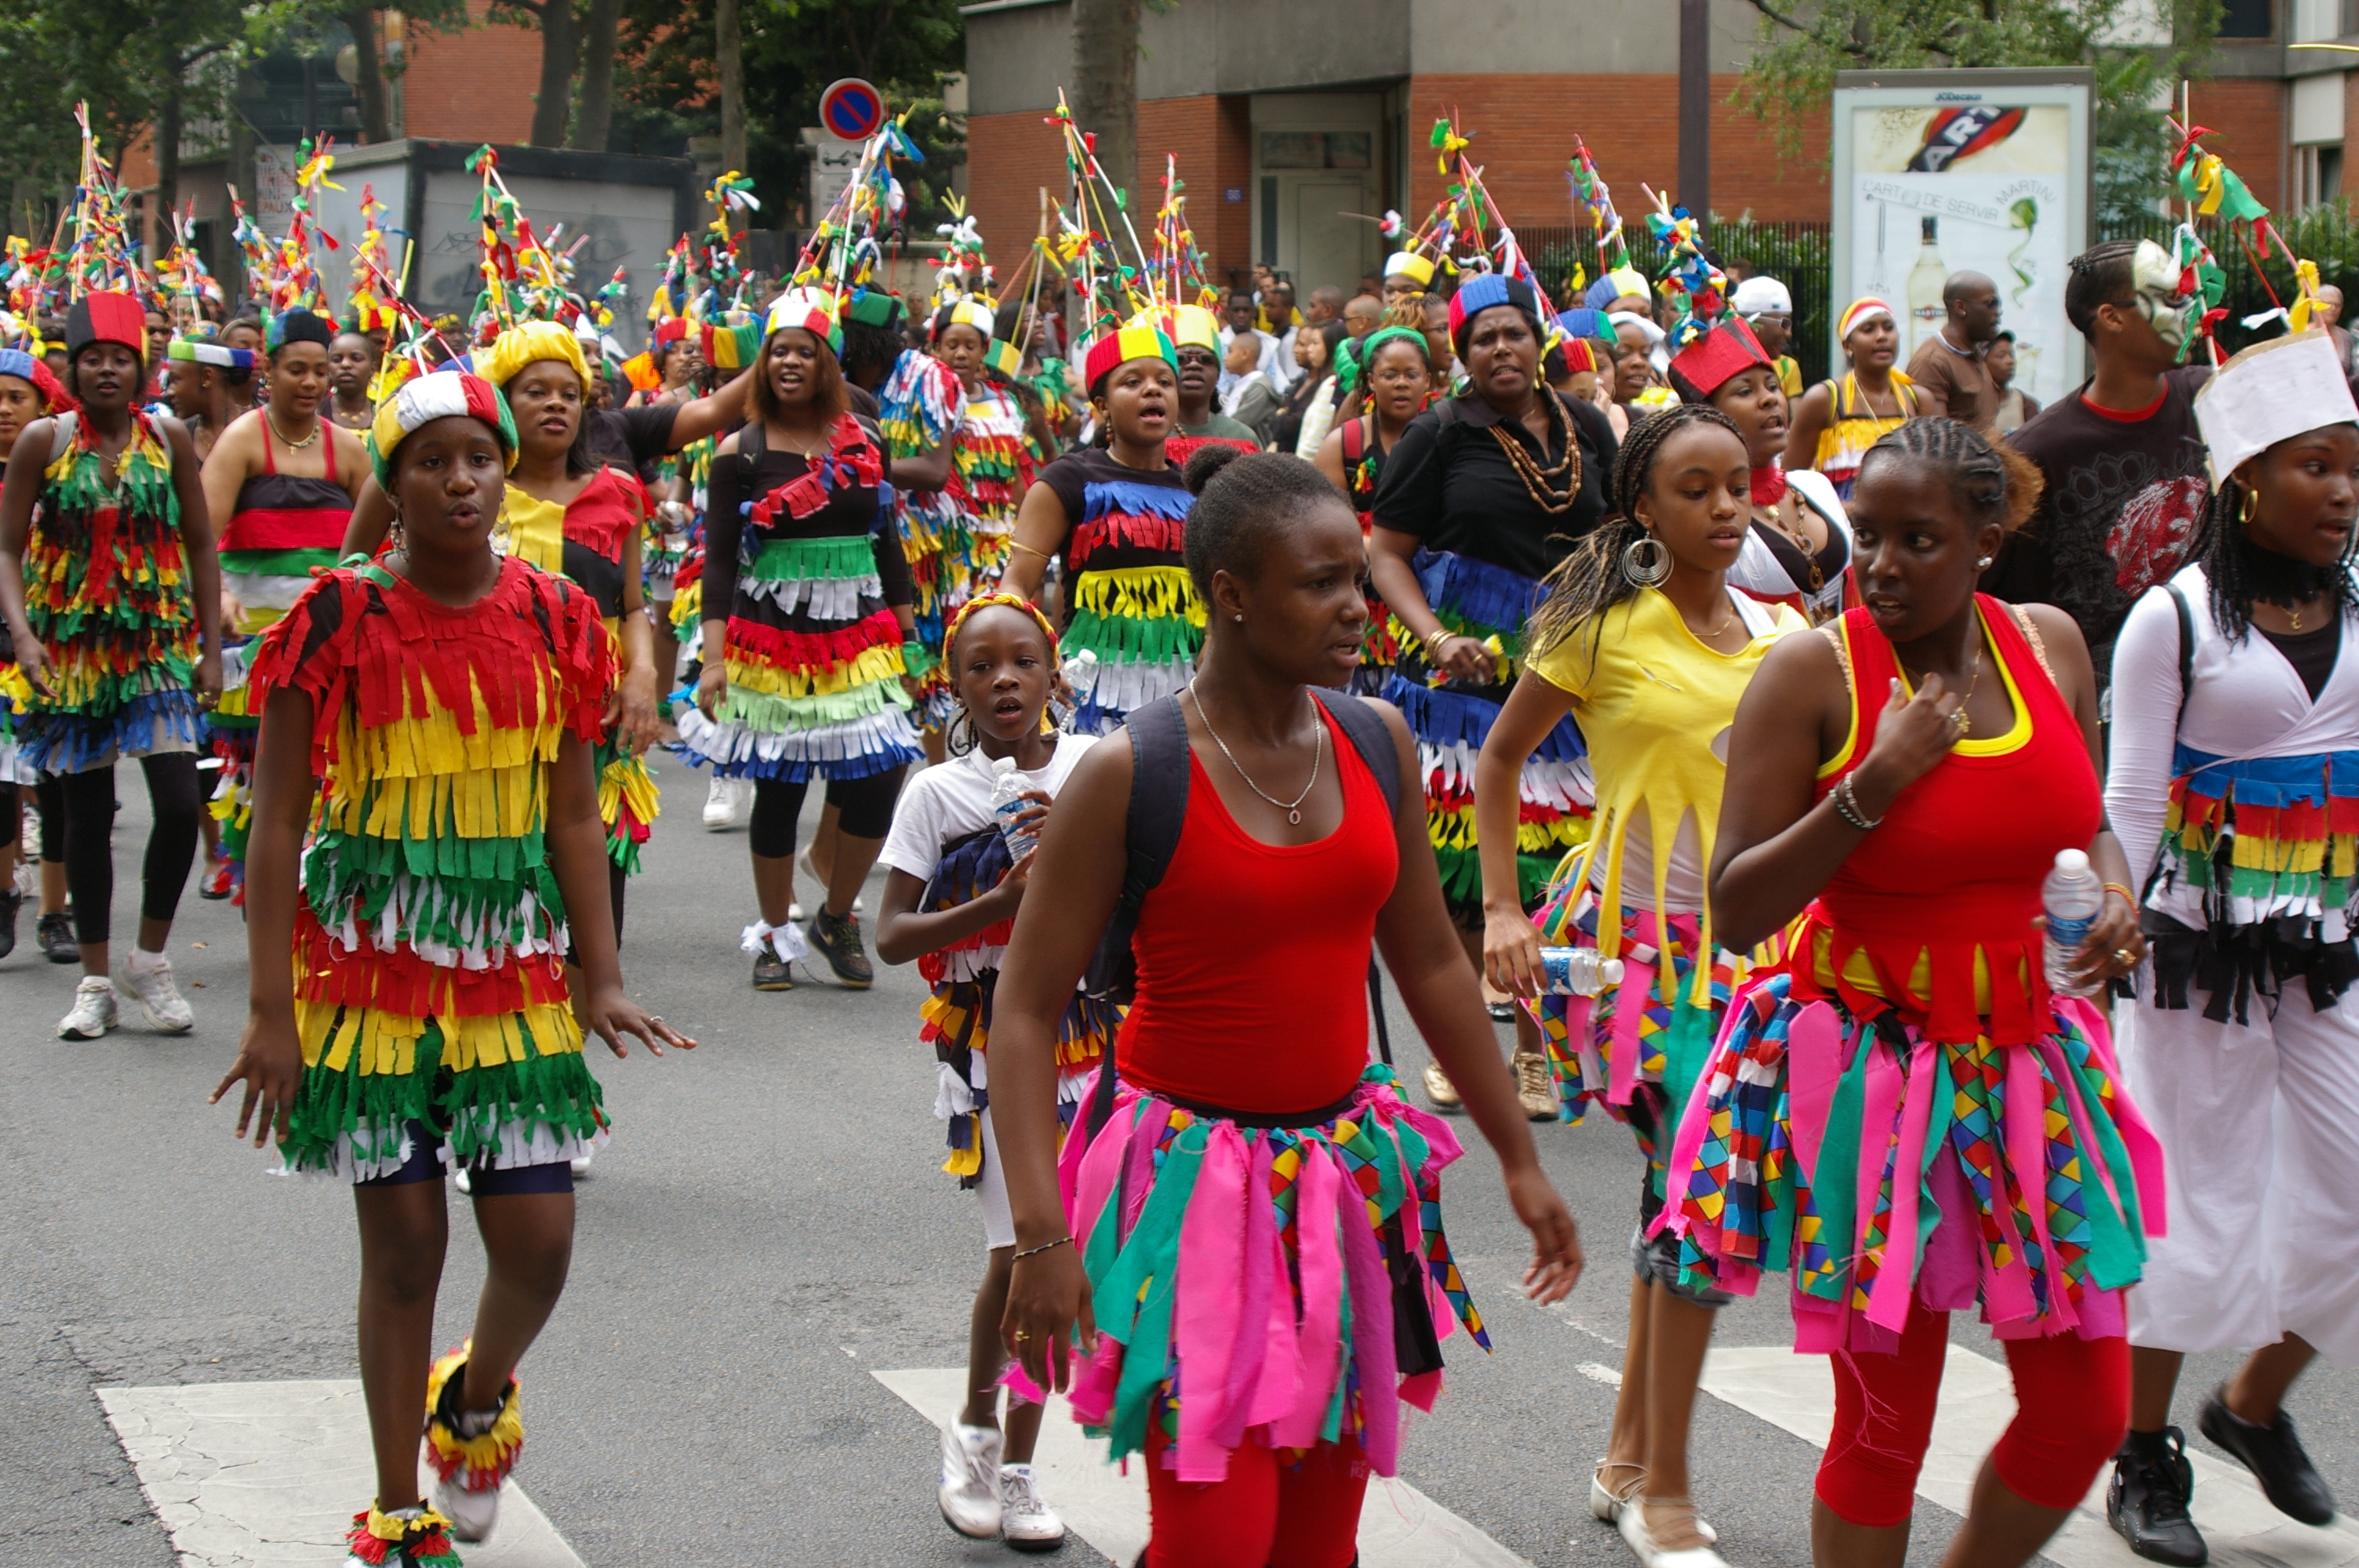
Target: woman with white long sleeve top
x,y
2233,785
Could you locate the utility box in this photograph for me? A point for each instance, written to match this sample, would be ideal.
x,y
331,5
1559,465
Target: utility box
x,y
632,210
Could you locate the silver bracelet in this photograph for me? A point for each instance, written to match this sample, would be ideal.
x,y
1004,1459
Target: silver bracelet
x,y
1847,806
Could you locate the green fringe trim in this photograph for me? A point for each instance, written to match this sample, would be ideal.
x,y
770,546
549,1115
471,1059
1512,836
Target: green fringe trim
x,y
277,563
1121,639
449,884
1462,876
808,560
473,1105
769,715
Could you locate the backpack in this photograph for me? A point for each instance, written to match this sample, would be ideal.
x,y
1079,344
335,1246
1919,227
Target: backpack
x,y
1158,810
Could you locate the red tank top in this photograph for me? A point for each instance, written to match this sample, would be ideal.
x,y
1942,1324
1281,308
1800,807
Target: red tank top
x,y
1252,958
1956,865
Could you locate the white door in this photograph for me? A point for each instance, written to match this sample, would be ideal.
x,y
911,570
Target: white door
x,y
1328,243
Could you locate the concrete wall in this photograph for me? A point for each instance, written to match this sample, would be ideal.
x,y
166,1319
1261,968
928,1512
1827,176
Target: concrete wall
x,y
1572,36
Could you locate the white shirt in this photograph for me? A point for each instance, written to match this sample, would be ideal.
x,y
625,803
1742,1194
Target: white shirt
x,y
2247,703
1270,364
1757,571
944,804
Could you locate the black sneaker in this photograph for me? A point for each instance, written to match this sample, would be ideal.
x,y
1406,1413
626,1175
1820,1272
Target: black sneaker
x,y
10,902
772,972
55,933
2274,1456
838,941
2146,1500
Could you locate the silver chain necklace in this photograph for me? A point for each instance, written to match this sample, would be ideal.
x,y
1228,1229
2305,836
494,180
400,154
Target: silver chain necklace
x,y
1293,808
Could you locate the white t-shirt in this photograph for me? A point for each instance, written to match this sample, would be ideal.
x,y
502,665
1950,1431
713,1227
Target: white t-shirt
x,y
944,804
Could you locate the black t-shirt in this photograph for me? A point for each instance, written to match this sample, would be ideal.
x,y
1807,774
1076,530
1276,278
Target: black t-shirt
x,y
2124,500
632,438
2311,654
849,510
1450,484
1094,487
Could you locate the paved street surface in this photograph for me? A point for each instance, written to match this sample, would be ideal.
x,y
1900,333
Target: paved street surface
x,y
768,1309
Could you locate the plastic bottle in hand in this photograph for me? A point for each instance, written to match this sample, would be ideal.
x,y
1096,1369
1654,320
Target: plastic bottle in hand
x,y
2072,897
1578,971
1008,787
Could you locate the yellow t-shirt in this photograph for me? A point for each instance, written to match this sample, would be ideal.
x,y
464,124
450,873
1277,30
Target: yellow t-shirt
x,y
1789,377
1653,704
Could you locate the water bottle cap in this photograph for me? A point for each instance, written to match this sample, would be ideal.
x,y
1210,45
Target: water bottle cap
x,y
1609,971
2072,862
1003,765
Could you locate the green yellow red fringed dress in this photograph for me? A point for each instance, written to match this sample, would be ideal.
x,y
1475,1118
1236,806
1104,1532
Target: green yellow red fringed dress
x,y
581,540
919,408
108,591
1902,1111
430,943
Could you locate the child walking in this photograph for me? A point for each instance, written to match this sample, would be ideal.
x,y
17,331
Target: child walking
x,y
448,699
951,891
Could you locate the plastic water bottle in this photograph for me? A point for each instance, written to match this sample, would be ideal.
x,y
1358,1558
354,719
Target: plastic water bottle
x,y
1008,787
1080,669
2072,897
1578,971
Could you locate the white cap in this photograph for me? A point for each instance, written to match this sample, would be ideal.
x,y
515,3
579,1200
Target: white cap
x,y
1759,295
2270,393
1003,765
2071,862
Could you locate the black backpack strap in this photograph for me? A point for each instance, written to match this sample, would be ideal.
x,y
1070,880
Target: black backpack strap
x,y
2186,689
1374,741
1158,810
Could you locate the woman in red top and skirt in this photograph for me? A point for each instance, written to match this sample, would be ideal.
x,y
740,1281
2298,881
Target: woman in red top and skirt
x,y
1904,1117
1250,1245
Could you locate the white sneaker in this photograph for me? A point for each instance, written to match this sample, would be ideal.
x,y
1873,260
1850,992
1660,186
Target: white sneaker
x,y
579,1164
793,914
1028,1523
93,1009
970,1489
148,978
465,1183
725,802
472,1514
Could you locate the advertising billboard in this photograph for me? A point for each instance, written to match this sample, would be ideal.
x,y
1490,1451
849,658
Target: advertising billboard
x,y
1938,172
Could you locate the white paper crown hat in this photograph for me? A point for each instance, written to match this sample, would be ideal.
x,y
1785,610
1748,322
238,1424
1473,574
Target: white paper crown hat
x,y
2268,393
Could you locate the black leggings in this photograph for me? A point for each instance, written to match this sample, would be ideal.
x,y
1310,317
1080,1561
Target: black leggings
x,y
86,813
863,807
616,880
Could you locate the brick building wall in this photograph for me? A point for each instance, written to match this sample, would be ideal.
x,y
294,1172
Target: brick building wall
x,y
2248,113
1011,156
1523,128
471,86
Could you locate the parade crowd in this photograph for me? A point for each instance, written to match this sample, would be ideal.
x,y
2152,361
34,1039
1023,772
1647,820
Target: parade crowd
x,y
1727,737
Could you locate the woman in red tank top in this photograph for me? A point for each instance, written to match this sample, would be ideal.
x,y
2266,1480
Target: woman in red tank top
x,y
1250,1220
1904,1117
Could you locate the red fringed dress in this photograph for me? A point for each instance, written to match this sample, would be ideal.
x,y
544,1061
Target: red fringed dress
x,y
430,944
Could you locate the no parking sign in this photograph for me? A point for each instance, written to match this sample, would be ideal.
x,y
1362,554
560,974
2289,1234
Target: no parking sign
x,y
852,110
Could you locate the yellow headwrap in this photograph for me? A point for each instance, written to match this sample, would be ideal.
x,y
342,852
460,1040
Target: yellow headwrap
x,y
527,342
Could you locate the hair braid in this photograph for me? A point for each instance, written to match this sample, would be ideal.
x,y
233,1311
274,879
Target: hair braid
x,y
1590,581
1994,483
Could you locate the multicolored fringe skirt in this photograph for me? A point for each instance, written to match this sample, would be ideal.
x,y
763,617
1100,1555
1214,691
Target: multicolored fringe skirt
x,y
815,663
1450,723
1291,1282
1874,1163
1142,621
957,1009
1604,1047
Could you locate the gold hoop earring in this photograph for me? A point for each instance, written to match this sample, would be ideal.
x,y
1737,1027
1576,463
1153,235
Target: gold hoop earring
x,y
2251,507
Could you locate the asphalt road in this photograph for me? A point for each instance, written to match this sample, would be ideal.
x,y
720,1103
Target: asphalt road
x,y
767,1226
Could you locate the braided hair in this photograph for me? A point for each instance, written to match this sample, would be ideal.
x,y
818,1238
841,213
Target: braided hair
x,y
2102,274
1992,483
1590,581
1243,499
2240,574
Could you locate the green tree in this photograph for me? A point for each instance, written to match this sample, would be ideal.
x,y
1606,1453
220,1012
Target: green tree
x,y
668,80
1803,43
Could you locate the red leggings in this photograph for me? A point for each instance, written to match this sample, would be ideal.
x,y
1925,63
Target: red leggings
x,y
1267,1514
2073,1405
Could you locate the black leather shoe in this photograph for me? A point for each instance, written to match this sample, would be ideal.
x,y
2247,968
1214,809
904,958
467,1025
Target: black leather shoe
x,y
56,935
2146,1500
2274,1456
10,902
838,941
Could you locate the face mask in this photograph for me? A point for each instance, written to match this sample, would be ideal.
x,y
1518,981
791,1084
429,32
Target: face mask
x,y
2156,276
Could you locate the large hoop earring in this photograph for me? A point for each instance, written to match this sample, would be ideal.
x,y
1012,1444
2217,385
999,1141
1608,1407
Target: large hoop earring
x,y
1647,562
2251,507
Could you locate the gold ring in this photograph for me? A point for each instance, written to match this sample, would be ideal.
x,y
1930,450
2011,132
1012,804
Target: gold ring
x,y
1021,1335
1958,717
2124,957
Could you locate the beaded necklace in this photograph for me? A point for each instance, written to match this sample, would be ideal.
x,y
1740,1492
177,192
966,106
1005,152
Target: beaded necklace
x,y
1538,480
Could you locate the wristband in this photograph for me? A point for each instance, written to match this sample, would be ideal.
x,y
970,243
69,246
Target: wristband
x,y
2128,897
1044,1247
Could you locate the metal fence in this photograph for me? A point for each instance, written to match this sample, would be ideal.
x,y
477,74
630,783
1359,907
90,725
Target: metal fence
x,y
1795,254
1799,256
